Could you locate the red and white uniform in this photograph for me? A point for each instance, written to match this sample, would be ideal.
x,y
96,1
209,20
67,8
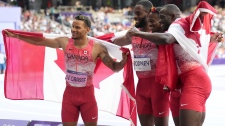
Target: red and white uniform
x,y
196,86
145,56
150,96
79,92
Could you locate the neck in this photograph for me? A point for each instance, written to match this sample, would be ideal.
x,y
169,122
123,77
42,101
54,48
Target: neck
x,y
81,42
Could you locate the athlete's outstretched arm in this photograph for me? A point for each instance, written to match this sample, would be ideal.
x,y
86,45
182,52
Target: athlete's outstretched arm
x,y
157,38
108,61
53,43
122,41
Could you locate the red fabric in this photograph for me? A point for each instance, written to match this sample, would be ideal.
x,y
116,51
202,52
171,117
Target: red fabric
x,y
208,17
79,100
186,25
128,84
106,37
166,69
25,68
151,98
25,64
195,98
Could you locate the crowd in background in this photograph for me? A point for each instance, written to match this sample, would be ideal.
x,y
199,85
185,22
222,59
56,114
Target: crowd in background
x,y
105,20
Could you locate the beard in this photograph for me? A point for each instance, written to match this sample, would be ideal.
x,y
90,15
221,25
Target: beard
x,y
141,23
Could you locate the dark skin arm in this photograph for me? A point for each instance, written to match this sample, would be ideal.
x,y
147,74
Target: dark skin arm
x,y
166,38
108,61
217,37
157,38
122,41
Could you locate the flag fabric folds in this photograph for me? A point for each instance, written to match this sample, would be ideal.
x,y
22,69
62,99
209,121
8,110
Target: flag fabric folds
x,y
37,73
166,67
194,35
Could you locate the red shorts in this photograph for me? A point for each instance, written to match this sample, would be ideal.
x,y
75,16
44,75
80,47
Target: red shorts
x,y
195,90
79,99
151,98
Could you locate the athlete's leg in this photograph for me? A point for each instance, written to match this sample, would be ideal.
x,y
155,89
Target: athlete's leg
x,y
69,123
175,105
143,100
146,120
160,104
202,119
89,113
190,117
89,109
70,112
195,92
144,111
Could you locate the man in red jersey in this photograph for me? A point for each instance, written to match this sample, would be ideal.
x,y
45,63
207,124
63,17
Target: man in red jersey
x,y
81,55
194,35
152,100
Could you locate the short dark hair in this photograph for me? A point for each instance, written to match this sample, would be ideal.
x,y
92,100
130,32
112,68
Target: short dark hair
x,y
172,9
85,19
146,4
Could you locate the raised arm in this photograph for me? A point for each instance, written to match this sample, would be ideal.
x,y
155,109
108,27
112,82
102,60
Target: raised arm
x,y
216,37
122,41
157,38
108,61
53,43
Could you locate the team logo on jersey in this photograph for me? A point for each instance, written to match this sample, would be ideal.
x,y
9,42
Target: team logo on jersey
x,y
85,52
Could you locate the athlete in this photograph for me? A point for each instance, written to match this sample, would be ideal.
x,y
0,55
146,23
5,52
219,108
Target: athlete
x,y
152,100
81,55
196,84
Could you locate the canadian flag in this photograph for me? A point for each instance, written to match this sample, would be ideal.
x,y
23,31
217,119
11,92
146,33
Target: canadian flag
x,y
110,37
194,36
37,72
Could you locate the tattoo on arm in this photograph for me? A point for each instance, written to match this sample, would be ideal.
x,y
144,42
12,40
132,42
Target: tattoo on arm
x,y
106,59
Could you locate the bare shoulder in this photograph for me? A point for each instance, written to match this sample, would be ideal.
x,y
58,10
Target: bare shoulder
x,y
62,41
99,46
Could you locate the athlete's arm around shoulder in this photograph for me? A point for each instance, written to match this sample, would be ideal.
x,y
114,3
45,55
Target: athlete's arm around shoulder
x,y
122,41
100,51
60,42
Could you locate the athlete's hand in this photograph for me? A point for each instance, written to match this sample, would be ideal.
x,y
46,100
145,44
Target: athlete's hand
x,y
124,55
10,34
217,37
132,32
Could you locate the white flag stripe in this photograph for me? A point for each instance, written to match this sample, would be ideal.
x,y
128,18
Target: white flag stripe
x,y
111,88
54,78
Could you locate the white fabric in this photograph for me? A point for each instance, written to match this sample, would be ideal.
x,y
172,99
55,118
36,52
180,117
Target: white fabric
x,y
2,58
189,45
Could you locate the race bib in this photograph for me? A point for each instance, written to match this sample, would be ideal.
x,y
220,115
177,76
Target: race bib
x,y
77,79
142,64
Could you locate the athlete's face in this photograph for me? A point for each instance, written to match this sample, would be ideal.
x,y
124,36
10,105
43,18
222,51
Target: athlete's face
x,y
79,29
140,16
154,22
165,19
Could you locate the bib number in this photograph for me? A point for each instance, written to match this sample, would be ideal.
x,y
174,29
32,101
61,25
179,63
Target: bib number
x,y
142,64
76,78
